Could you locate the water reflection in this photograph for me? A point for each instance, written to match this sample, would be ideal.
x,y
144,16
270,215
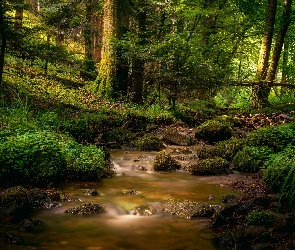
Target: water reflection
x,y
117,229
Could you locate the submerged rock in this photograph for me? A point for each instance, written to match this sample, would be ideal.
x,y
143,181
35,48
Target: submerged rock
x,y
165,162
29,224
189,209
10,238
86,209
145,210
92,192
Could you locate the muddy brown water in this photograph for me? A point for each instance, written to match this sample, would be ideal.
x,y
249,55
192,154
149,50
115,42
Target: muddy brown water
x,y
117,229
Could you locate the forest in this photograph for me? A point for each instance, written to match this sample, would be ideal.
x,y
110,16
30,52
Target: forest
x,y
179,113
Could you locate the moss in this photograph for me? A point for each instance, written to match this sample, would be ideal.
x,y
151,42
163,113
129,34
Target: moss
x,y
227,149
173,137
164,162
215,130
263,218
204,153
148,142
251,159
209,166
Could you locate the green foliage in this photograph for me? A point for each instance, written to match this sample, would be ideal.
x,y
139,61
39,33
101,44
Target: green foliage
x,y
251,159
263,218
215,165
279,173
164,162
31,158
148,142
88,164
227,149
119,135
276,138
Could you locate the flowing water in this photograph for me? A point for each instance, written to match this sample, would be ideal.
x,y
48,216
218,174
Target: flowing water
x,y
117,229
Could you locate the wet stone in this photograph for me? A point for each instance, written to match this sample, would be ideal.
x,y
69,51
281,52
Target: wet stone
x,y
229,198
10,238
131,192
29,224
145,210
93,192
86,209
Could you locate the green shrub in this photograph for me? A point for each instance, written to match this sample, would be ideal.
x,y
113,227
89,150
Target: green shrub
x,y
215,165
279,172
227,149
276,138
31,158
88,164
263,218
164,162
148,142
251,159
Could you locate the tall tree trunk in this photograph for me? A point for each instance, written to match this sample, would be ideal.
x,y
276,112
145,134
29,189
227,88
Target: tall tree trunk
x,y
3,43
285,65
97,37
286,19
113,71
138,63
88,38
258,91
18,24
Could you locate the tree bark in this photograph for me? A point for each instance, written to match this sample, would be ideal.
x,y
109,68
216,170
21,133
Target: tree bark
x,y
258,91
3,44
113,69
285,65
18,24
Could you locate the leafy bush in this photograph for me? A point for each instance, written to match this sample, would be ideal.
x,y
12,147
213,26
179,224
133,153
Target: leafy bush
x,y
148,142
251,159
164,162
263,218
279,172
89,164
276,138
31,158
215,165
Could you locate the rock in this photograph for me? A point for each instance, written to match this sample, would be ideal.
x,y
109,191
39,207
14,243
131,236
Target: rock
x,y
92,192
131,192
230,241
29,224
211,198
174,138
254,232
210,166
38,198
189,209
10,238
86,209
229,198
165,162
263,246
145,210
148,142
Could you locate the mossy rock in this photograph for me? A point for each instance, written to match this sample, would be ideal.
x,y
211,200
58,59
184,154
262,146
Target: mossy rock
x,y
204,153
165,162
227,149
215,130
188,209
174,138
215,165
118,135
251,159
86,209
148,142
262,218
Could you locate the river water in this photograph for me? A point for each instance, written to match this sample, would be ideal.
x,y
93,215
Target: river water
x,y
117,229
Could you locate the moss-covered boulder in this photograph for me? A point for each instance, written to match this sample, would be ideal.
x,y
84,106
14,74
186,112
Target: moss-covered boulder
x,y
215,130
204,153
227,149
165,162
251,159
172,137
148,142
215,165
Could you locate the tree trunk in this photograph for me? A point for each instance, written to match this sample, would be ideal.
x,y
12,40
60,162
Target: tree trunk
x,y
97,37
18,24
113,70
88,39
3,44
286,19
285,66
138,63
258,93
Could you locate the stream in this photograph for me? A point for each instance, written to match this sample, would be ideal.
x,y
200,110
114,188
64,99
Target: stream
x,y
117,229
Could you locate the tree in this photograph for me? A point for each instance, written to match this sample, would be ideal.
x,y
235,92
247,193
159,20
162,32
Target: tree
x,y
113,68
265,74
